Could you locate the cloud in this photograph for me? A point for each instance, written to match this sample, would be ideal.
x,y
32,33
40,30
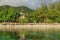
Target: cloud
x,y
33,4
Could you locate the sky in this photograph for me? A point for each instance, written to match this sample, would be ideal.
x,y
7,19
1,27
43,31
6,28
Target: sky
x,y
32,4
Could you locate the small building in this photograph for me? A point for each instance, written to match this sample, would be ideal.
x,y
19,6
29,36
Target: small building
x,y
22,16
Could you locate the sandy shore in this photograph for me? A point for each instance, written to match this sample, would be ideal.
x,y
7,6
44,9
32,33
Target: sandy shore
x,y
29,27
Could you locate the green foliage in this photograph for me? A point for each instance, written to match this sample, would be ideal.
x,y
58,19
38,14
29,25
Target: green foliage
x,y
23,20
49,21
8,14
11,14
44,14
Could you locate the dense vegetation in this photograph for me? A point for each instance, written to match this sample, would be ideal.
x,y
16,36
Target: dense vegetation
x,y
11,14
44,14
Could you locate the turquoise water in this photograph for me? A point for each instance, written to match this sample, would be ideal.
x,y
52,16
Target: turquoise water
x,y
4,35
30,35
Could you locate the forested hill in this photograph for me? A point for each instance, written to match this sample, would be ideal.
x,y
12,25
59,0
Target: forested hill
x,y
11,14
44,14
20,8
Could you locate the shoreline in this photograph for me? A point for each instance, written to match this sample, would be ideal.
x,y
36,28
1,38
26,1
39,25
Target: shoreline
x,y
29,27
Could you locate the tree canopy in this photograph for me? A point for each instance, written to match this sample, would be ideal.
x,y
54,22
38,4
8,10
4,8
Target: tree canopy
x,y
44,14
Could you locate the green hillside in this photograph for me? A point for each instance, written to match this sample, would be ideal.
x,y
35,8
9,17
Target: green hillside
x,y
11,14
44,14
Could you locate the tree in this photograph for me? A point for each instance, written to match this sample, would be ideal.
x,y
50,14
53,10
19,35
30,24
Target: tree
x,y
9,14
42,13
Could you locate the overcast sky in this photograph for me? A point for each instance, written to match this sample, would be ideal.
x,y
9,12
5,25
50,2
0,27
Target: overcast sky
x,y
33,4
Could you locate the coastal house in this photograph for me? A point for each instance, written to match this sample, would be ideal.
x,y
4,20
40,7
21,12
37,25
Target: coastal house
x,y
22,16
